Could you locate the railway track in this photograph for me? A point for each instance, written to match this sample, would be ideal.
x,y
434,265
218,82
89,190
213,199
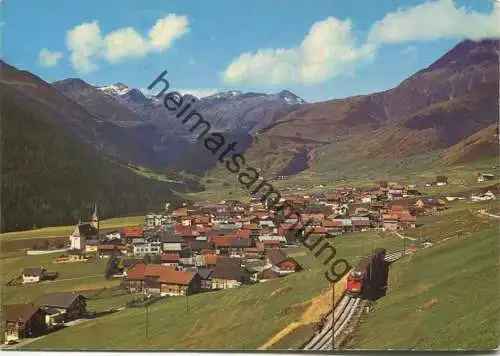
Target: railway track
x,y
344,317
329,336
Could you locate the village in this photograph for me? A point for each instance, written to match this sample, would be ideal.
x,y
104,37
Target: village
x,y
203,246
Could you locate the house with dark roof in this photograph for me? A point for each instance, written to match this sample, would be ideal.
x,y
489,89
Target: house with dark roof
x,y
23,321
228,273
205,274
238,245
72,305
33,274
282,264
198,246
171,242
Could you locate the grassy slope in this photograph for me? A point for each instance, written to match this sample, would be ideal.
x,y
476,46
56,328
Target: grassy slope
x,y
72,276
224,319
242,318
332,172
446,297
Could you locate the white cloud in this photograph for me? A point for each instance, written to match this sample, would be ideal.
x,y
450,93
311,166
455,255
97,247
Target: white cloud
x,y
433,20
87,44
328,49
123,43
47,58
167,30
84,42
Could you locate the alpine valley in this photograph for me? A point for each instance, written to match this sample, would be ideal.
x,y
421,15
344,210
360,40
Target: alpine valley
x,y
96,142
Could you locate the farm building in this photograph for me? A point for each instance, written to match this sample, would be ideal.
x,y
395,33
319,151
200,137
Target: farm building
x,y
22,321
71,305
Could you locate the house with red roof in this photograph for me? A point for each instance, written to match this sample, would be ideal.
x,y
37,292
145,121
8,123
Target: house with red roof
x,y
163,280
169,259
132,232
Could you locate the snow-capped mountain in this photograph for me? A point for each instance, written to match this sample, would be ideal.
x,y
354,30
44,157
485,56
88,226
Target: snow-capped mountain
x,y
233,111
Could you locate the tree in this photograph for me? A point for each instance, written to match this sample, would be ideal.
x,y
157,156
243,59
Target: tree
x,y
112,266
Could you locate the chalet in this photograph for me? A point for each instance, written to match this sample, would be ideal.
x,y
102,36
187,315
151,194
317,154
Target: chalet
x,y
406,221
228,273
23,321
390,222
205,274
152,274
333,227
169,259
71,305
132,232
174,282
360,224
33,274
135,277
221,244
108,250
282,264
170,242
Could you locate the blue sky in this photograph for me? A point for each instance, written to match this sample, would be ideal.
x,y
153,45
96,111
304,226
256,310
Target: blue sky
x,y
319,49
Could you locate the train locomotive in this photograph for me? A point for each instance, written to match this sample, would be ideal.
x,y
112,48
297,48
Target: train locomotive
x,y
369,279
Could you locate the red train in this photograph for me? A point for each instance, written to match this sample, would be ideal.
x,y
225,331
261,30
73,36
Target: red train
x,y
369,279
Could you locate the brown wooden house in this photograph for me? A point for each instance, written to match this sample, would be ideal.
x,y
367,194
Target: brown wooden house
x,y
174,282
23,321
281,262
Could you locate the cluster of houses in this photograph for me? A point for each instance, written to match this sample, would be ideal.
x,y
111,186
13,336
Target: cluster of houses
x,y
48,312
208,246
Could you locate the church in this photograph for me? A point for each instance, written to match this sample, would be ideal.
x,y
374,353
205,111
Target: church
x,y
84,232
